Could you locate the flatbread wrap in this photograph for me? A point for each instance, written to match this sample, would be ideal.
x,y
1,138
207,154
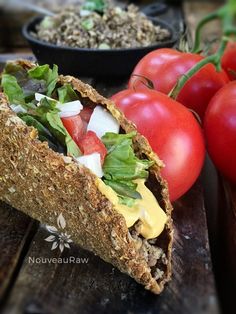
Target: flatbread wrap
x,y
119,209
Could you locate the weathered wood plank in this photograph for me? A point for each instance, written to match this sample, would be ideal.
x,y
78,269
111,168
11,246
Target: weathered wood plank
x,y
96,287
226,265
15,232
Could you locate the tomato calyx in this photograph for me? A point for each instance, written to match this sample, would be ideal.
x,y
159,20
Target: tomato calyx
x,y
142,79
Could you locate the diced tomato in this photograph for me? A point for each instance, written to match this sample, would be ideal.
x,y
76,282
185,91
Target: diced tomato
x,y
92,144
86,113
75,127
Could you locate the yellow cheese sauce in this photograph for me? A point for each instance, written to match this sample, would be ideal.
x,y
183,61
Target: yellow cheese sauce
x,y
147,209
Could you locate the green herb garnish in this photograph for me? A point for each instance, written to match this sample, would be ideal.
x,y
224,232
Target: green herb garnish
x,y
87,24
94,5
50,76
66,94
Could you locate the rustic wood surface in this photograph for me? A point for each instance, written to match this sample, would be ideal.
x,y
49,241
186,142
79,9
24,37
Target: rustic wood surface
x,y
15,232
96,287
227,247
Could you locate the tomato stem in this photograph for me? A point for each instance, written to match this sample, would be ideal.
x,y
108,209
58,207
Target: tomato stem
x,y
201,24
232,6
183,80
226,15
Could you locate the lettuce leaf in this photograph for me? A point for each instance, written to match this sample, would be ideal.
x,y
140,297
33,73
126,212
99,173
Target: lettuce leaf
x,y
20,86
40,79
123,189
12,89
48,115
66,94
28,85
121,162
43,72
121,166
43,133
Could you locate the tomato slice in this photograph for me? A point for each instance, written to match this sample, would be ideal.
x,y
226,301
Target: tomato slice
x,y
75,127
92,144
86,113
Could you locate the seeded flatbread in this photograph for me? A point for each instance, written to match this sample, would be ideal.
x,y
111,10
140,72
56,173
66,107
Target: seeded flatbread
x,y
44,184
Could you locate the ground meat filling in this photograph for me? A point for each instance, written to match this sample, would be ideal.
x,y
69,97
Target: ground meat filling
x,y
114,28
154,255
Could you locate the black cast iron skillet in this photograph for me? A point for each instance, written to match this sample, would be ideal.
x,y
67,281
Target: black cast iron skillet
x,y
92,62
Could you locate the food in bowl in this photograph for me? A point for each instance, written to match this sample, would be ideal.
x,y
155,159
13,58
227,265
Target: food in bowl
x,y
109,28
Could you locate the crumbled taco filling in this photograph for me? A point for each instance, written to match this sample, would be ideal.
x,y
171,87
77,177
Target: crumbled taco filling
x,y
150,250
91,136
100,27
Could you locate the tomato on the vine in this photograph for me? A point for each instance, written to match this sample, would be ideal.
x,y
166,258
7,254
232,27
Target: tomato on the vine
x,y
165,66
172,131
229,61
220,130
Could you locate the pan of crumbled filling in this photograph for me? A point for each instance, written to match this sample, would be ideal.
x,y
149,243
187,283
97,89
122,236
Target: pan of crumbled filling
x,y
97,44
114,28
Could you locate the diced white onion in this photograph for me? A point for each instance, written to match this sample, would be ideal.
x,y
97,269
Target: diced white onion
x,y
102,121
18,108
39,96
93,162
69,109
83,13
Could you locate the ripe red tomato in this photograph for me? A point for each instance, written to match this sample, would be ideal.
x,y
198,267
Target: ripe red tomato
x,y
165,66
92,144
173,133
86,113
229,60
220,130
75,127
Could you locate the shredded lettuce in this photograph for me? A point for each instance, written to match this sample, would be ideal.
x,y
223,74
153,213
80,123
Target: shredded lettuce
x,y
12,89
121,166
21,85
123,189
43,133
121,162
66,94
45,118
43,72
40,79
48,115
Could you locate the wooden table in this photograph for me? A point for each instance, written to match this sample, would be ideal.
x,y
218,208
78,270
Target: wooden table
x,y
97,287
